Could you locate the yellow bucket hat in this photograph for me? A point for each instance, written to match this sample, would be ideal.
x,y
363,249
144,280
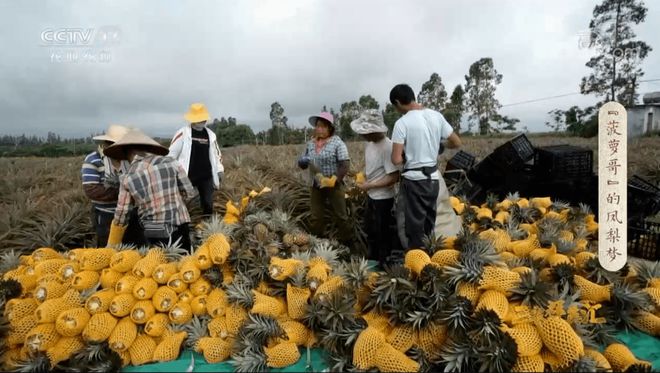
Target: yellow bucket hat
x,y
112,134
197,113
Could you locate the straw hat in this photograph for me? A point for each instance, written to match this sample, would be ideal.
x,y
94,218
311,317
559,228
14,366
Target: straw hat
x,y
197,113
370,121
112,134
322,115
134,138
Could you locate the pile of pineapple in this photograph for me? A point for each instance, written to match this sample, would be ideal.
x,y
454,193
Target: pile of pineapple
x,y
520,289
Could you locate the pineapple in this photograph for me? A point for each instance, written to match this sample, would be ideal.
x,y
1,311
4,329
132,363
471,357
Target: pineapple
x,y
49,267
146,266
200,287
157,324
20,329
203,257
328,287
590,291
500,279
177,284
647,323
163,272
189,271
64,349
215,350
125,284
531,290
198,305
49,290
142,349
72,322
528,364
124,261
281,269
109,278
18,308
216,303
48,311
186,297
601,362
122,304
282,355
99,327
217,327
45,253
85,280
527,338
368,342
123,335
142,311
164,298
180,313
415,260
495,301
67,271
267,305
96,260
145,288
219,248
559,338
622,360
170,346
42,337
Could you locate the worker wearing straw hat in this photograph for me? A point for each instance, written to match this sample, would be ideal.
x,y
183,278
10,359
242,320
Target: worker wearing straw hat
x,y
157,185
195,146
100,181
326,156
381,176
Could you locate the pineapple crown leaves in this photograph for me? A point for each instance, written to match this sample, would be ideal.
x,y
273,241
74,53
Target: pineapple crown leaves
x,y
475,255
485,328
303,256
342,340
513,197
325,250
586,334
260,329
628,297
433,243
532,291
559,205
250,359
214,276
646,271
424,361
498,357
564,246
173,250
514,231
240,292
299,278
457,355
37,362
549,229
389,287
337,309
197,328
9,289
260,217
602,334
593,271
355,273
492,201
215,225
9,260
457,314
563,274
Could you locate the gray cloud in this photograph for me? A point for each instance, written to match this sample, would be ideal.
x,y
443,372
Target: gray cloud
x,y
239,57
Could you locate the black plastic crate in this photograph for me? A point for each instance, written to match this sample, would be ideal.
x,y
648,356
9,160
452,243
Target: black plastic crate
x,y
515,152
644,240
643,198
461,161
563,162
574,191
489,172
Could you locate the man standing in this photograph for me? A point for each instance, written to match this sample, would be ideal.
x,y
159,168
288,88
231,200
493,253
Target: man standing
x,y
381,175
416,137
157,185
100,181
196,148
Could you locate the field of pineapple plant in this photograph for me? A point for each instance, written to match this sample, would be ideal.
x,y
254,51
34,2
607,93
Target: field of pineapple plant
x,y
519,289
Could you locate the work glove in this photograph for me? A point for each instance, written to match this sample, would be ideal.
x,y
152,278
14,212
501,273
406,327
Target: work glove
x,y
328,182
303,162
111,182
116,234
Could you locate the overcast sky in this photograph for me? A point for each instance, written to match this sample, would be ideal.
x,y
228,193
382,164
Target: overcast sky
x,y
238,57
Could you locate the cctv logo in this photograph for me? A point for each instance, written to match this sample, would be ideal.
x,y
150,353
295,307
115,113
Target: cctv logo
x,y
81,37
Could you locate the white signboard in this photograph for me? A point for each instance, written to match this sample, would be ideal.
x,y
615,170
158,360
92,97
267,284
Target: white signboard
x,y
612,186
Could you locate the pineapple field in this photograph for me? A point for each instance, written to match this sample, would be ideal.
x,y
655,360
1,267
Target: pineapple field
x,y
519,289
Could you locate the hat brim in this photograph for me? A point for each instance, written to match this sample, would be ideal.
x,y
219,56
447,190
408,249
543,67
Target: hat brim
x,y
117,151
357,127
103,138
196,118
314,118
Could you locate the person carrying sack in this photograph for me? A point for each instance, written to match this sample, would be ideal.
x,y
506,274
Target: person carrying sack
x,y
326,156
380,177
100,180
195,146
157,185
416,137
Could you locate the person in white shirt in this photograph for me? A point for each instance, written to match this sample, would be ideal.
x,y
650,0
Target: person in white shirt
x,y
416,142
381,175
196,148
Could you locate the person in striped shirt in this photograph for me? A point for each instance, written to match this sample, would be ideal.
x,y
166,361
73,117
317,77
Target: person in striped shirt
x,y
157,186
100,182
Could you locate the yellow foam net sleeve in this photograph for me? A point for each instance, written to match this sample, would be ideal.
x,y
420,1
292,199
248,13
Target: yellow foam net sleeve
x,y
123,335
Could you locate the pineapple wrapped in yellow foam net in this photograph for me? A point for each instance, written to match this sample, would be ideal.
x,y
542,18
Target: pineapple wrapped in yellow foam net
x,y
389,359
20,329
123,335
157,325
124,261
415,260
109,278
198,305
200,287
648,323
122,304
189,272
64,349
180,313
528,364
527,338
72,322
281,269
177,284
85,280
446,257
282,355
296,301
559,338
42,337
164,299
498,278
216,302
99,327
203,257
219,248
368,342
402,337
622,359
214,350
146,265
495,301
591,291
163,272
142,311
49,267
169,347
96,260
142,349
125,284
19,308
599,358
267,305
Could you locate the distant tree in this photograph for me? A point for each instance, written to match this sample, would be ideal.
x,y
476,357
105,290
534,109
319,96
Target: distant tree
x,y
390,116
368,102
616,68
349,111
433,94
557,121
277,117
454,110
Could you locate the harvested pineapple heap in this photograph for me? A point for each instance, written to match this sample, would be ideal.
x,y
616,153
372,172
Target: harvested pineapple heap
x,y
519,289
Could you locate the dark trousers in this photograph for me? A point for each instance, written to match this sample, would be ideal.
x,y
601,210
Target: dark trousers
x,y
102,220
205,188
181,232
420,199
380,227
334,200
